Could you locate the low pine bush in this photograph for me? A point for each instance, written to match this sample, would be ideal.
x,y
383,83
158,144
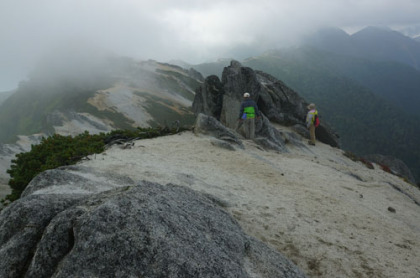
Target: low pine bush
x,y
52,152
58,150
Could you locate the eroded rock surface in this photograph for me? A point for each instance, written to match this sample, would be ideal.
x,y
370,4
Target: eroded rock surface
x,y
137,230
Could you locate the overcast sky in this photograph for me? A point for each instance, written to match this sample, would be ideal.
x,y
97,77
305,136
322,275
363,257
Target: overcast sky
x,y
193,31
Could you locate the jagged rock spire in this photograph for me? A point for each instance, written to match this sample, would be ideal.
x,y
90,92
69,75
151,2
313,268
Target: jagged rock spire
x,y
277,102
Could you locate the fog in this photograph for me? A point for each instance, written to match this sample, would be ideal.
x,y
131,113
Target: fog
x,y
194,31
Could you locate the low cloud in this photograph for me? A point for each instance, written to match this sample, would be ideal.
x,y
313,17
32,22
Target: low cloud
x,y
194,31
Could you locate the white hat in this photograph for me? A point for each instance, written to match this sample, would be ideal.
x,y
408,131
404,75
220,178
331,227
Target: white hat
x,y
311,106
247,95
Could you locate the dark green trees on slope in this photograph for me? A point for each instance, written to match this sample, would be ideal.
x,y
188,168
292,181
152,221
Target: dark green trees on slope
x,y
366,122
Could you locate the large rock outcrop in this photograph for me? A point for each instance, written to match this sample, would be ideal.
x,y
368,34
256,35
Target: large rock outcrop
x,y
209,97
271,138
65,225
278,103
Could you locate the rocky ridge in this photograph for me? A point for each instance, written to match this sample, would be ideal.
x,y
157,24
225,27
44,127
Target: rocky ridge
x,y
129,207
329,215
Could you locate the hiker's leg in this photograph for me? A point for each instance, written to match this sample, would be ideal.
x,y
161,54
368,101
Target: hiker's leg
x,y
252,128
247,125
238,125
312,133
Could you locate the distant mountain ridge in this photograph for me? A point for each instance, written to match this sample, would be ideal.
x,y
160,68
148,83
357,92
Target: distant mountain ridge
x,y
371,42
119,93
395,82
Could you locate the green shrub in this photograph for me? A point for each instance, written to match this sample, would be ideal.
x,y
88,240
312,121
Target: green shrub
x,y
52,152
58,150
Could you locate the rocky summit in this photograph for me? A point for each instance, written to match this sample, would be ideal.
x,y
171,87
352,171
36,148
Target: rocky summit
x,y
134,230
278,103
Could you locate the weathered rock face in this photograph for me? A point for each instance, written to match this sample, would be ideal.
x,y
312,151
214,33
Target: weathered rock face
x,y
209,125
270,138
209,97
143,230
278,103
237,80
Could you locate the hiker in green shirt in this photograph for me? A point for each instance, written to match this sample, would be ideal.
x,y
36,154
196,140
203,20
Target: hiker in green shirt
x,y
247,113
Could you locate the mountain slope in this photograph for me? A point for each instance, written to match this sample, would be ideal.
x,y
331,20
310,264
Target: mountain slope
x,y
385,61
395,82
366,123
5,95
371,42
72,92
328,214
383,44
125,95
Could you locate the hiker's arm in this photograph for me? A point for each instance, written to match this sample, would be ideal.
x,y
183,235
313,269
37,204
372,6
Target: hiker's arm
x,y
309,119
241,111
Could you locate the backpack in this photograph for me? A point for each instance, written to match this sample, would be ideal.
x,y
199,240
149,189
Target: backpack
x,y
316,120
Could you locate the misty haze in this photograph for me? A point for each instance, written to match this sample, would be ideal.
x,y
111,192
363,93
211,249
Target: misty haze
x,y
192,31
105,102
